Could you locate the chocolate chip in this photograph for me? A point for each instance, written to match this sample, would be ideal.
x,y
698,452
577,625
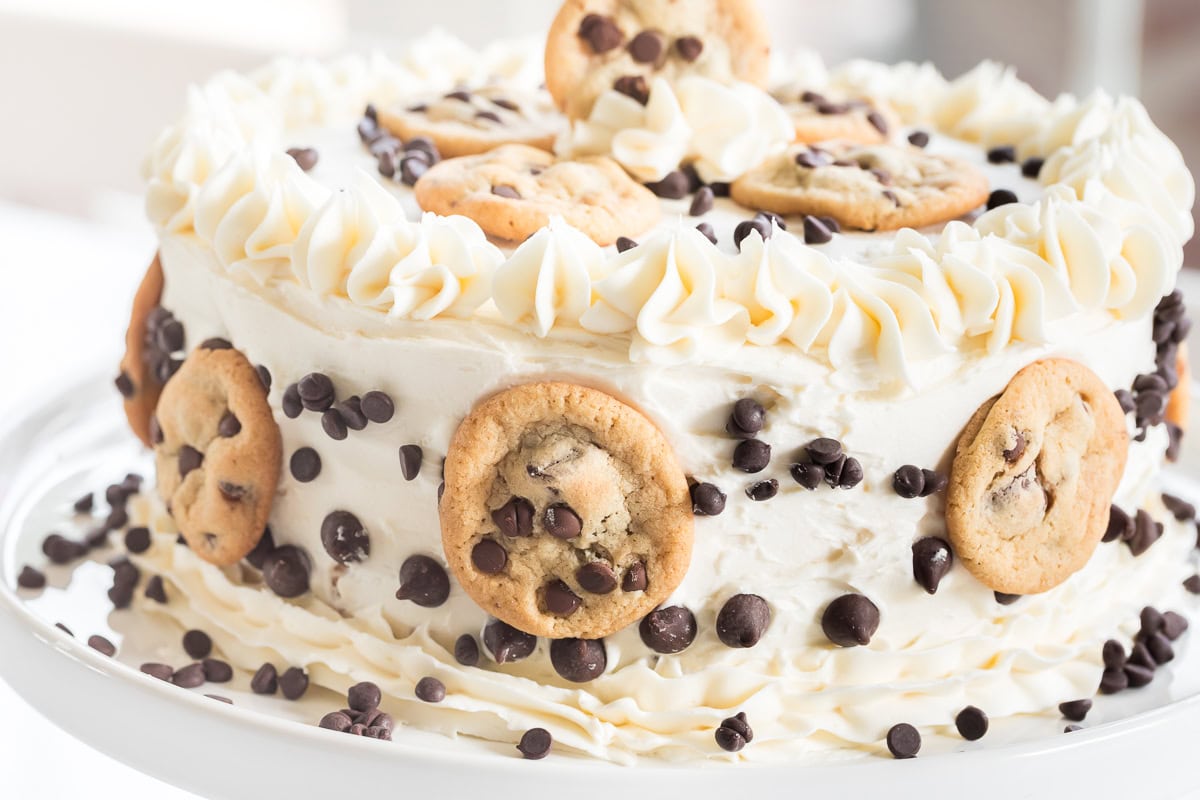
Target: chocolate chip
x,y
849,474
292,404
1006,599
561,521
189,677
1072,728
377,406
707,499
635,579
877,121
64,629
932,558
466,650
1173,625
1113,654
1192,584
1181,509
625,243
265,680
919,139
423,581
506,191
1120,525
1138,675
813,159
85,504
216,670
560,600
934,482
293,683
1174,440
316,391
506,643
746,227
702,202
462,95
763,490
197,644
231,491
344,538
189,459
734,733
1013,454
490,116
601,33
647,47
743,620
1159,647
266,545
824,451
61,550
1075,710
672,187
596,577
1032,167
807,475
535,743
816,232
689,47
1004,154
1000,197
334,424
364,696
216,343
668,630
30,578
972,723
351,412
155,590
850,620
410,461
219,699
285,571
412,167
708,231
633,86
306,157
1145,532
903,741
578,660
124,385
751,455
430,690
164,672
514,518
489,557
908,481
305,464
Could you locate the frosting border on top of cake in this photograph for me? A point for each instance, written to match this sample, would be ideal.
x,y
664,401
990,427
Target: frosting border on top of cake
x,y
1106,234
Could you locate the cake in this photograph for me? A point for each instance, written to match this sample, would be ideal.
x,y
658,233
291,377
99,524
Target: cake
x,y
649,393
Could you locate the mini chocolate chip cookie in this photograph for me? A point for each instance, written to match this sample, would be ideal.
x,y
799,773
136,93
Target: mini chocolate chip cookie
x,y
141,377
597,45
565,512
820,118
1033,478
470,121
868,187
219,454
1180,400
513,191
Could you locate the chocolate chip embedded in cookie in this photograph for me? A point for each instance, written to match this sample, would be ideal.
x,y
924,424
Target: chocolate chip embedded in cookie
x,y
820,118
868,187
513,191
565,512
597,45
217,478
1033,478
468,122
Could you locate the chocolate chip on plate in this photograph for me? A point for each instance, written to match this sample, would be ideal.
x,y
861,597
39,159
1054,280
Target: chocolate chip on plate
x,y
364,696
535,743
1032,167
1001,197
708,500
816,231
578,660
506,643
903,741
30,578
743,620
932,558
466,650
189,677
423,581
673,186
734,733
164,672
197,644
702,202
430,690
689,47
293,683
668,630
216,670
1113,680
1075,710
345,538
102,645
850,620
972,723
265,680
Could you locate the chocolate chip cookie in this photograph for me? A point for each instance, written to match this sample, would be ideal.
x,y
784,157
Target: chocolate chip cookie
x,y
565,512
821,118
218,453
1033,478
471,121
597,45
512,192
867,187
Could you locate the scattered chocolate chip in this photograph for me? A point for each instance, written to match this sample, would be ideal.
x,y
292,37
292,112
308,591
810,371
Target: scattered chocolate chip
x,y
216,670
734,733
850,620
164,672
514,518
1159,647
30,578
489,557
410,461
1072,728
334,424
689,47
919,139
84,504
316,391
935,482
746,227
377,407
743,620
1113,654
1145,532
763,490
466,650
293,683
137,540
561,521
423,581
155,590
707,499
1140,655
1120,526
824,451
903,741
747,418
197,644
932,559
305,464
430,690
751,455
601,33
1005,154
672,187
1173,625
816,232
849,474
1075,710
908,481
292,404
535,743
1032,167
633,86
285,571
972,723
219,699
1000,197
265,680
1181,509
596,577
490,116
708,232
506,643
668,630
702,202
1113,680
635,579
306,157
265,546
1192,584
878,122
625,243
189,677
344,538
364,696
1138,675
1005,599
807,475
578,660
647,47
351,412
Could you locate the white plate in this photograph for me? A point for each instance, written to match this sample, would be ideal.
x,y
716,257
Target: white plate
x,y
1139,742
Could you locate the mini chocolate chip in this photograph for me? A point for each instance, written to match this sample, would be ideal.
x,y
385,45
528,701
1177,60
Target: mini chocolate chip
x,y
316,391
1138,675
216,670
466,650
824,451
751,455
489,557
377,406
689,47
633,86
124,385
61,550
807,475
850,620
815,231
1145,532
189,677
596,577
934,482
635,579
85,504
117,518
164,672
578,660
833,470
1000,197
560,600
305,464
673,186
561,521
668,630
506,643
197,644
1075,710
1173,625
293,683
30,578
410,461
430,690
1032,167
828,108
1192,584
702,202
490,116
1005,599
535,743
734,733
363,697
746,227
352,413
265,680
763,490
743,620
850,475
155,590
932,558
707,499
1151,620
877,121
1113,654
1004,154
189,459
908,481
708,232
216,343
625,243
514,518
505,103
647,47
334,424
601,33
1125,400
972,723
720,188
1120,525
1159,648
264,377
423,581
292,404
1181,509
219,699
64,629
102,645
306,157
919,139
506,191
903,741
344,537
285,571
747,418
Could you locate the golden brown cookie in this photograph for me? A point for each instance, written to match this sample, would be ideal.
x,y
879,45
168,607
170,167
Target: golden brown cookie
x,y
1033,478
820,118
217,452
565,512
137,381
597,45
868,187
513,191
1180,400
467,122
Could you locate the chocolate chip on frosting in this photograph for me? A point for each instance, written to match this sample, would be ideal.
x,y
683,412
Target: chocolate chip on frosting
x,y
430,690
293,683
423,581
1145,532
734,733
377,406
824,451
292,404
935,482
850,620
334,424
155,590
305,464
197,644
743,620
30,578
673,186
707,499
1003,154
919,139
305,157
216,670
908,481
560,600
763,490
751,455
1173,625
707,229
647,47
633,86
1000,197
972,723
578,660
514,518
903,741
668,630
1032,167
1120,525
807,475
702,202
316,391
932,558
345,538
1192,584
1181,509
285,571
466,650
747,418
411,456
535,744
625,243
506,643
689,47
1005,599
601,33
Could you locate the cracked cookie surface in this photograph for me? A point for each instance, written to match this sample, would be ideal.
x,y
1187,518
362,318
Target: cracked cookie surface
x,y
1033,478
565,512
